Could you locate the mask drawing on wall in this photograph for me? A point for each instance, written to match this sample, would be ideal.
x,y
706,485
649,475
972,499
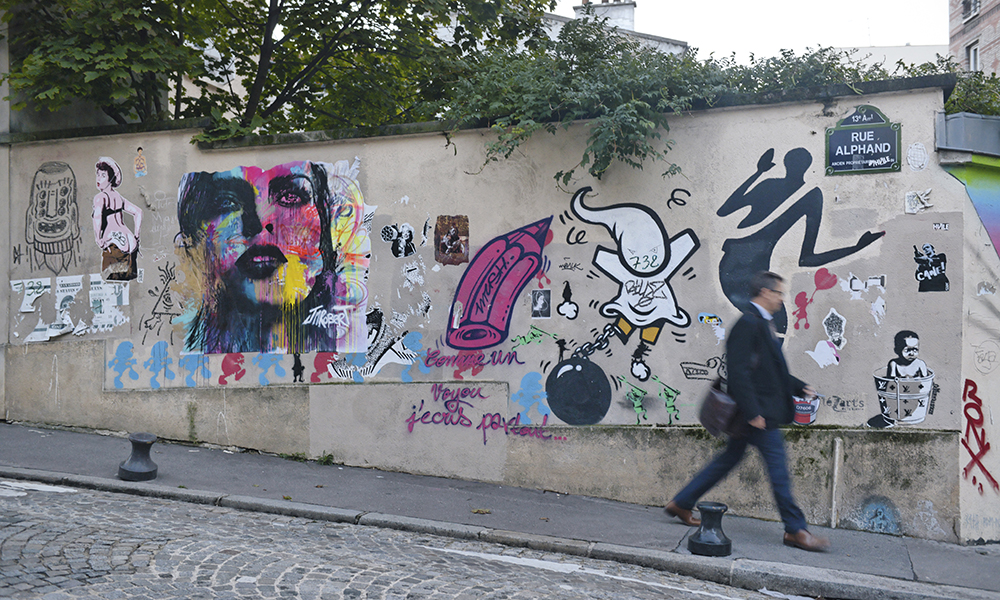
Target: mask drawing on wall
x,y
52,227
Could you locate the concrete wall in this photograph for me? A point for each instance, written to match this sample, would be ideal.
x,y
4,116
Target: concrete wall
x,y
480,381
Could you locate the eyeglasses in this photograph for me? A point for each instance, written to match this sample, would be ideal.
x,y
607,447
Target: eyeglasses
x,y
778,292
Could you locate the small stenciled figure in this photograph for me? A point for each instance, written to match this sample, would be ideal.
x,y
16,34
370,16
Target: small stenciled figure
x,y
930,269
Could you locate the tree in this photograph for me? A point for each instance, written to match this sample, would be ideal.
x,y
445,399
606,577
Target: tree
x,y
278,65
311,64
121,55
627,91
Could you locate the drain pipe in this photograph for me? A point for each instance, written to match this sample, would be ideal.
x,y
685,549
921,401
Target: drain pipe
x,y
838,459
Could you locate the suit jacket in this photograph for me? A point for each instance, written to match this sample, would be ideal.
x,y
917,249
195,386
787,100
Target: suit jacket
x,y
758,375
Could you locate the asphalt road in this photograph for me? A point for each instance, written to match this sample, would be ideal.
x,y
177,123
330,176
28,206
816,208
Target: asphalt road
x,y
59,542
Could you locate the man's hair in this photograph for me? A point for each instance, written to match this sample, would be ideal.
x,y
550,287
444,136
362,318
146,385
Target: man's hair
x,y
764,280
899,342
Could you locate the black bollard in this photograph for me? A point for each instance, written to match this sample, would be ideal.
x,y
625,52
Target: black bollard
x,y
710,540
139,467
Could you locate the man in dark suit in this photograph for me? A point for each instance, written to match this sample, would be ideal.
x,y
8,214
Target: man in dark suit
x,y
762,387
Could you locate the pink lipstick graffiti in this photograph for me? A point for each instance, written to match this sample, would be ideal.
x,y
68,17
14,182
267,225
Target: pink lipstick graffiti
x,y
480,313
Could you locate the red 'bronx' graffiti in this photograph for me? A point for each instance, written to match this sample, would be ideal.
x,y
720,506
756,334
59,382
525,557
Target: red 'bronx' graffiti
x,y
973,411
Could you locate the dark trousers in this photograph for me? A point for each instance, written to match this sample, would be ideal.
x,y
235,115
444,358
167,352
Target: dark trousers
x,y
771,444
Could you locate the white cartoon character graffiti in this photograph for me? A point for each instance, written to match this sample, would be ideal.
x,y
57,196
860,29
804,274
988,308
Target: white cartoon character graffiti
x,y
642,265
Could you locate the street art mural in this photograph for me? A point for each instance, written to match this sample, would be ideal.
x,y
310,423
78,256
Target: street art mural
x,y
642,264
52,229
277,259
481,311
119,243
906,390
742,257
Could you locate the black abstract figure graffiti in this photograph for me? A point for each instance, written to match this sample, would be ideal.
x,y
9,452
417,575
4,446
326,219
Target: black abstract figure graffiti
x,y
931,269
907,388
642,265
743,257
52,227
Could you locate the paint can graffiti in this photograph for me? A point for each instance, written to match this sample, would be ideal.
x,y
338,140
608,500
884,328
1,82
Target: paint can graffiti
x,y
806,409
904,399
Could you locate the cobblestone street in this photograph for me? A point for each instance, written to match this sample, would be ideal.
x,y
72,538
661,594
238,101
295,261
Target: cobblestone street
x,y
57,542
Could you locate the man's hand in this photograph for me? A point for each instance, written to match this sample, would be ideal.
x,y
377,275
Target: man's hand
x,y
808,392
758,422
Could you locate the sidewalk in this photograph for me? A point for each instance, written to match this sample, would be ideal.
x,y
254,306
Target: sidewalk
x,y
861,566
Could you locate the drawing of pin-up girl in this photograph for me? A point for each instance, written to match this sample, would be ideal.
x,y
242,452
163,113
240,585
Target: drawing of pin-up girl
x,y
745,256
119,243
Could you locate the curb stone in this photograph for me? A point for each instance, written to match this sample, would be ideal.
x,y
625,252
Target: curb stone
x,y
743,573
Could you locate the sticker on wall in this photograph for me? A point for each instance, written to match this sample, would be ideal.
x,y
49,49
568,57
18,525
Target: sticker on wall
x,y
32,289
119,243
451,240
139,163
917,157
931,267
105,299
67,289
715,322
825,354
857,286
878,310
541,304
276,260
567,307
835,324
917,202
400,238
906,389
52,227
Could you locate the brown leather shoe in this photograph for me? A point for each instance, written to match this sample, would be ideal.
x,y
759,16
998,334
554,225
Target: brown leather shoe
x,y
683,514
807,541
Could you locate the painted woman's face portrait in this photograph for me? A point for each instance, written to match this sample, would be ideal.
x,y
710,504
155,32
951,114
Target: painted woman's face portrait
x,y
263,236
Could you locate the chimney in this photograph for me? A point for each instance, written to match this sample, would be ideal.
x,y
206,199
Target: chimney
x,y
620,14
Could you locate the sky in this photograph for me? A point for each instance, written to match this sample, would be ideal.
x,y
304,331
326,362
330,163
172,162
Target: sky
x,y
765,27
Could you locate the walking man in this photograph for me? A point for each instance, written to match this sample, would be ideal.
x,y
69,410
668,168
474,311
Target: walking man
x,y
762,387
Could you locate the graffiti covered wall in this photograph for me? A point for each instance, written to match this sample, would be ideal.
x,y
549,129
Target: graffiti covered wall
x,y
386,302
979,464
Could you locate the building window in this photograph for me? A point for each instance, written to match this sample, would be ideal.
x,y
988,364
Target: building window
x,y
970,8
972,57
